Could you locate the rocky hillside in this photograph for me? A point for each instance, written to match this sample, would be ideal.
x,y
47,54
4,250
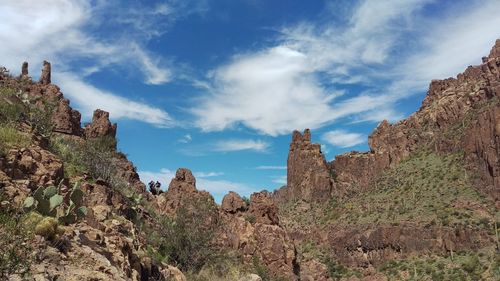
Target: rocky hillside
x,y
422,204
428,187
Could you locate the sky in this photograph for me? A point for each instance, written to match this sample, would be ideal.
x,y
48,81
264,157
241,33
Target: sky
x,y
218,86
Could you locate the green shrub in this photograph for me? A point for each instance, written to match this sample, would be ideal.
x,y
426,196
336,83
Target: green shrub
x,y
10,138
187,239
15,253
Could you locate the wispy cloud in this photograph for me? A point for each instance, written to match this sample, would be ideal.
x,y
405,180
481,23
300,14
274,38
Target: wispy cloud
x,y
270,167
390,47
186,138
89,98
208,174
241,144
279,179
342,138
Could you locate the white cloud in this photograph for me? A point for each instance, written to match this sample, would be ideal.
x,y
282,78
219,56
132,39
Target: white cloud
x,y
208,174
280,180
90,98
241,144
388,46
218,188
271,167
186,138
342,138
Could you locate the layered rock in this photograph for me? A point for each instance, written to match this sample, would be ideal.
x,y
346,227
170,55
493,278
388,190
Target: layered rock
x,y
100,126
308,174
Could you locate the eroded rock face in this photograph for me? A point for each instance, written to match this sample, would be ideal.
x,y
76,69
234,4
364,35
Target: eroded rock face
x,y
46,72
457,114
181,188
263,208
66,120
308,175
24,70
371,246
100,126
37,165
233,203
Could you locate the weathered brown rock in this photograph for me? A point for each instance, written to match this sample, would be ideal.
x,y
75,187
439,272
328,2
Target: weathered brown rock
x,y
24,70
263,209
100,126
308,175
363,246
452,118
233,203
66,120
180,189
46,72
35,164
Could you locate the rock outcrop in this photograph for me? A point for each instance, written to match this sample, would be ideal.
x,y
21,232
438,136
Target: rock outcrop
x,y
66,120
46,72
458,114
308,174
232,203
24,70
100,126
255,232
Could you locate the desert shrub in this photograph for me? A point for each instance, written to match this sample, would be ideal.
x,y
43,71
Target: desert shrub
x,y
187,240
10,137
10,112
97,156
40,117
15,253
335,270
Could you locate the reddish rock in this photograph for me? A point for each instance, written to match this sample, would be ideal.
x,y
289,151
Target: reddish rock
x,y
263,209
181,188
35,164
232,203
24,70
100,126
45,77
308,175
66,120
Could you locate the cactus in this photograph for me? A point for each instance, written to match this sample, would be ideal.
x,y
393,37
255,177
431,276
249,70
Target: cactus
x,y
49,203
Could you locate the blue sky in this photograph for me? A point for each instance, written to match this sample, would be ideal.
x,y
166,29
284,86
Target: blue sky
x,y
218,86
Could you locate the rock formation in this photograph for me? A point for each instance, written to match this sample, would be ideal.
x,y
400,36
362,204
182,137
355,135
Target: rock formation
x,y
24,70
233,203
45,77
66,120
100,125
308,175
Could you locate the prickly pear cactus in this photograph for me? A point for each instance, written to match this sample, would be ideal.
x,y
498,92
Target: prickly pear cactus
x,y
48,202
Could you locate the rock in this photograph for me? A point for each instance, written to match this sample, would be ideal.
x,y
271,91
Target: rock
x,y
24,70
45,77
100,126
180,189
313,270
232,203
263,209
308,175
173,273
250,277
66,120
39,166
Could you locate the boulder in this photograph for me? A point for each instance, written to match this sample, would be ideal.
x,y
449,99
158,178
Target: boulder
x,y
233,203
